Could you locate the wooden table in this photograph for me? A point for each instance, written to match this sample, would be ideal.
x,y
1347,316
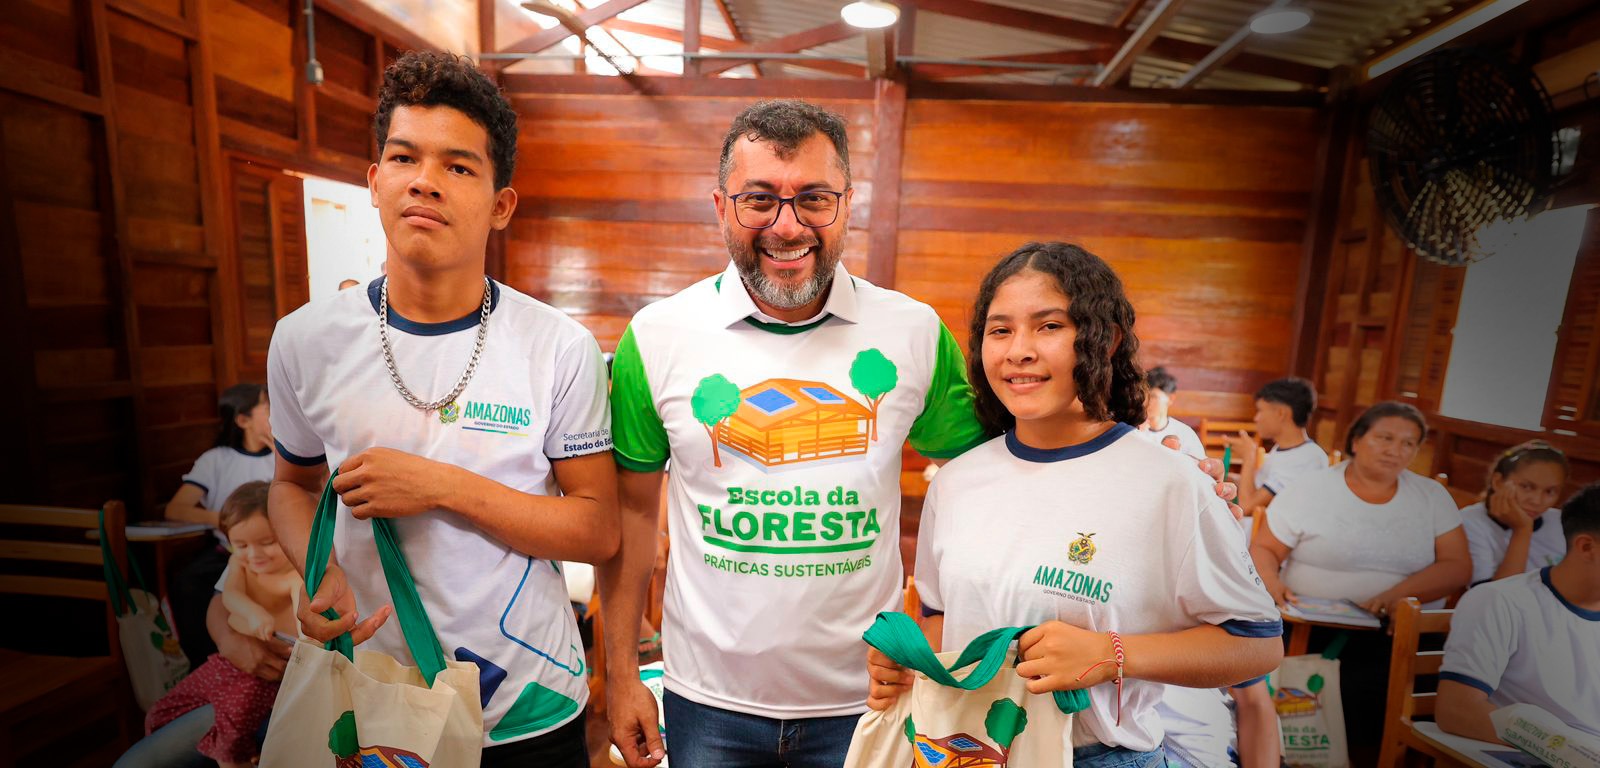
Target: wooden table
x,y
1300,632
1471,752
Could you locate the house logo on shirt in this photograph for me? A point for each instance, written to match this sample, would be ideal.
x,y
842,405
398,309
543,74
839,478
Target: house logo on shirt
x,y
494,418
782,422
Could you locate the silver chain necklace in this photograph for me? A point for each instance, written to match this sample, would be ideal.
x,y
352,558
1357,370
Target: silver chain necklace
x,y
445,405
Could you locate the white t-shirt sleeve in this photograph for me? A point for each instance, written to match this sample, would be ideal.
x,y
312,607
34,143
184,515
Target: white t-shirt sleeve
x,y
580,413
297,442
1286,518
1446,517
1216,579
1483,636
1267,473
1481,546
926,573
206,474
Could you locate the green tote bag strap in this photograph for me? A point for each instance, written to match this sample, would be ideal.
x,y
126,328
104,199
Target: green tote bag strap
x,y
414,625
898,637
121,600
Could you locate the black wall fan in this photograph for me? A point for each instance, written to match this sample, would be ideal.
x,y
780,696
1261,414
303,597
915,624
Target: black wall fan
x,y
1460,139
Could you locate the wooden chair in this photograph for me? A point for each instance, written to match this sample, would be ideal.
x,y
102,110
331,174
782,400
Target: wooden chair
x,y
55,704
1405,704
1335,457
1214,433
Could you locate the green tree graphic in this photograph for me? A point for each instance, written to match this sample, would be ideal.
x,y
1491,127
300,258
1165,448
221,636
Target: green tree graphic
x,y
911,730
714,400
874,376
1004,722
342,740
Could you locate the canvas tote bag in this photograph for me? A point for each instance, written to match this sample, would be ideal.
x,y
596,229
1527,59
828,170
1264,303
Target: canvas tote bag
x,y
1305,691
342,708
155,661
983,718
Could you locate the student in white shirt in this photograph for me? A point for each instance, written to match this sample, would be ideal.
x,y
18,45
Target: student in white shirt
x,y
242,454
1283,409
1533,638
471,414
1158,425
1113,546
1510,532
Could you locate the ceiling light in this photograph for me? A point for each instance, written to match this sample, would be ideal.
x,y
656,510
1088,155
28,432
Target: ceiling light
x,y
1276,21
870,14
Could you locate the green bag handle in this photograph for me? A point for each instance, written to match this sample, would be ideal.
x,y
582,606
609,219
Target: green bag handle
x,y
898,637
414,625
116,585
1336,645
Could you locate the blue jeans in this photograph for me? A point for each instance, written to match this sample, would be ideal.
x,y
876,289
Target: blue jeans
x,y
175,745
699,736
1102,756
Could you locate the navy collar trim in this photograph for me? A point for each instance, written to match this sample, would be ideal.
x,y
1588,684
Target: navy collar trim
x,y
1049,455
463,323
263,452
1544,576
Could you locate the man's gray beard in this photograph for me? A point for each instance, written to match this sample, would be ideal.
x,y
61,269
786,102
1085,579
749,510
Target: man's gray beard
x,y
780,296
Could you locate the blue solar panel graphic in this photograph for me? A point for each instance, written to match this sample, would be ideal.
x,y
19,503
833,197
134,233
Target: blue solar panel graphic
x,y
933,756
821,395
411,762
965,744
769,401
373,761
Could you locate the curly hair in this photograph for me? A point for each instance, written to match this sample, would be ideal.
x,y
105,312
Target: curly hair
x,y
1110,383
785,123
435,79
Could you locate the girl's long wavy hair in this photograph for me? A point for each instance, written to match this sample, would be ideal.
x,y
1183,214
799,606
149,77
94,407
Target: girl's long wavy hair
x,y
1110,383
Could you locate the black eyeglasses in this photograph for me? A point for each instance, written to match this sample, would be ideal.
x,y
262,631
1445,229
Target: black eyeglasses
x,y
815,208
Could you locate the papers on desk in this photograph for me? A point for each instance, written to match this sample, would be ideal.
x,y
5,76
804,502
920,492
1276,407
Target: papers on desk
x,y
1544,736
1325,611
163,529
1482,753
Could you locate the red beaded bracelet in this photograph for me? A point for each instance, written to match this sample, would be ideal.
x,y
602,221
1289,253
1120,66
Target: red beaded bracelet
x,y
1120,658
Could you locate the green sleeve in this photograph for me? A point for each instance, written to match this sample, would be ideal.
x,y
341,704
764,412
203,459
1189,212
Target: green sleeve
x,y
639,437
948,425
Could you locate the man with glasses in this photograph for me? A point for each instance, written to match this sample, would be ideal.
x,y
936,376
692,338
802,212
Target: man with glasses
x,y
782,391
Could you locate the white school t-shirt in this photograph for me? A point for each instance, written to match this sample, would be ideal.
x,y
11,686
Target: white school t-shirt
x,y
1116,534
1283,466
784,497
1346,548
1199,725
539,395
221,470
1522,642
1487,540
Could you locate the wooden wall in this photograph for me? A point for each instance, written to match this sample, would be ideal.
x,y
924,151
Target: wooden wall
x,y
1200,208
141,276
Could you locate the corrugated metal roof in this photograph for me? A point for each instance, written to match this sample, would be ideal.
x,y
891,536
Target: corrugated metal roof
x,y
1341,32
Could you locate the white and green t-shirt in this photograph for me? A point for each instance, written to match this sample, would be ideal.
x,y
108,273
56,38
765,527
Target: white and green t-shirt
x,y
1116,534
784,499
539,395
1283,466
1488,538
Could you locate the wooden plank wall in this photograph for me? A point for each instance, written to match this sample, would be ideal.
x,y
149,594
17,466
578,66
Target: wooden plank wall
x,y
123,282
1201,210
614,199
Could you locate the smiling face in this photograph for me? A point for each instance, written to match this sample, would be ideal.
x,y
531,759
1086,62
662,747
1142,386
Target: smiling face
x,y
434,189
1028,353
788,265
252,539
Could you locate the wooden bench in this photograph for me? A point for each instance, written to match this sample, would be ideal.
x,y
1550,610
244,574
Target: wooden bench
x,y
55,705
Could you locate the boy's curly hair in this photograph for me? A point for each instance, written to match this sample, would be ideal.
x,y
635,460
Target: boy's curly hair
x,y
430,79
1110,383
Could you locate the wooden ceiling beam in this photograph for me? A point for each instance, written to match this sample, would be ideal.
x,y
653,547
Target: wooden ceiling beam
x,y
545,38
722,44
1139,42
1079,56
795,43
1128,12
